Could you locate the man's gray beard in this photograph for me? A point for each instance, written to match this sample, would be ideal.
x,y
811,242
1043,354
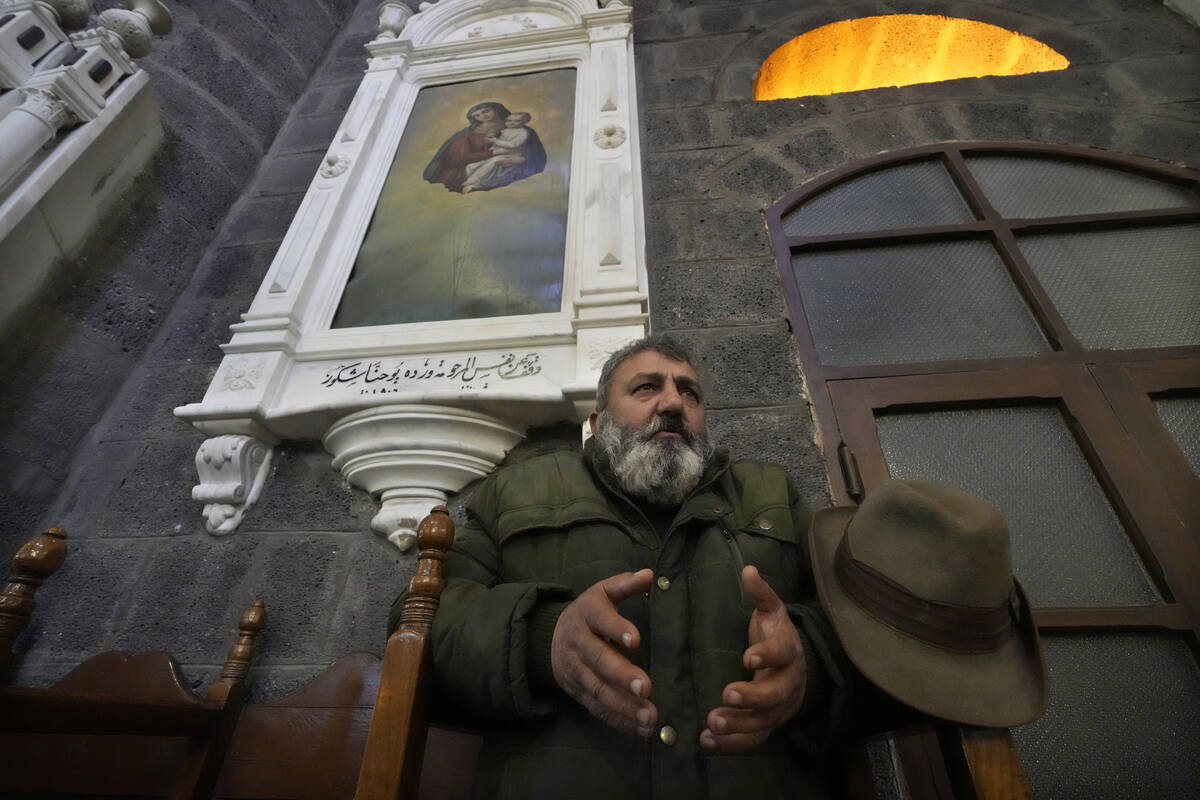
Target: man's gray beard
x,y
661,471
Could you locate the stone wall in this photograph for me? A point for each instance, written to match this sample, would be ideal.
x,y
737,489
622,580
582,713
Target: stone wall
x,y
252,93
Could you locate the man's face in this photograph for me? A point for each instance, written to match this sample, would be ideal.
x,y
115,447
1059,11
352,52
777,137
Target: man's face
x,y
652,431
649,385
485,115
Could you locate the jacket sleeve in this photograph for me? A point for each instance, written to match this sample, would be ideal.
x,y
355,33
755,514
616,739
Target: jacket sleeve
x,y
824,716
483,631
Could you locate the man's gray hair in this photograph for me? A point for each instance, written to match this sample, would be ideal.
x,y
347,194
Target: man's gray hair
x,y
657,343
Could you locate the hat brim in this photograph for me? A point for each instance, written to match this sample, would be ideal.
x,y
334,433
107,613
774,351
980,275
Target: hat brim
x,y
1001,688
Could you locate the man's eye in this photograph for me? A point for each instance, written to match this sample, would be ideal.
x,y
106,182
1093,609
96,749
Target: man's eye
x,y
644,387
692,393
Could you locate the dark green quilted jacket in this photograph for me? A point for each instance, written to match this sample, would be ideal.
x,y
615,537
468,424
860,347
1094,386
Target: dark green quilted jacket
x,y
541,532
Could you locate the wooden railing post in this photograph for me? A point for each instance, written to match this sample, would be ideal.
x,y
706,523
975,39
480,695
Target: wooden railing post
x,y
395,746
38,559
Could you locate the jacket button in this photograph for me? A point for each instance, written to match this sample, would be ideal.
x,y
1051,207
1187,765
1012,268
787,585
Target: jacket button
x,y
667,735
663,582
764,523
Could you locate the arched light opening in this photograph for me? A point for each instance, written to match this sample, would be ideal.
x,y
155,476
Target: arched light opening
x,y
898,50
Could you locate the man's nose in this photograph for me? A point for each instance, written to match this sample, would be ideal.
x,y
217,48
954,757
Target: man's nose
x,y
670,400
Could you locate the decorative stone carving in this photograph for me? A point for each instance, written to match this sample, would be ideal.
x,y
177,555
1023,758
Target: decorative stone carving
x,y
599,351
240,375
46,107
232,472
609,136
72,14
393,16
137,26
334,165
410,456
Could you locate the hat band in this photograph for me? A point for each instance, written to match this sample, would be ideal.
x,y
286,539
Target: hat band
x,y
965,629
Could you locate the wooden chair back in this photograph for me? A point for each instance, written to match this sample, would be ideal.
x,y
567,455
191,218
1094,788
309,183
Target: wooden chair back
x,y
118,724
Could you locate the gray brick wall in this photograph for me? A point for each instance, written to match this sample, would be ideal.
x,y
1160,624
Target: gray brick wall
x,y
252,93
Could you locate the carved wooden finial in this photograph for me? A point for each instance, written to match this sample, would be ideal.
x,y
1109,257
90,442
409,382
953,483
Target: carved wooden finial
x,y
38,559
435,534
237,664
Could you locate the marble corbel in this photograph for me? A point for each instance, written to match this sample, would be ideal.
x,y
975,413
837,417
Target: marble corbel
x,y
232,470
411,456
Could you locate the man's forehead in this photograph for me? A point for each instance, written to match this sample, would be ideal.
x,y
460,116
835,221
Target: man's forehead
x,y
651,362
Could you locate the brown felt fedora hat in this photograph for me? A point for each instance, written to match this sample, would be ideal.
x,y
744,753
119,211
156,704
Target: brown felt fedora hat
x,y
918,585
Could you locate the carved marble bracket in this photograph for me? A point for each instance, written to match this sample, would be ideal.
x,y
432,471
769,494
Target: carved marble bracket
x,y
232,472
410,456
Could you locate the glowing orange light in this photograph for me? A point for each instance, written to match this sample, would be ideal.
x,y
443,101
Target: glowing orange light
x,y
898,50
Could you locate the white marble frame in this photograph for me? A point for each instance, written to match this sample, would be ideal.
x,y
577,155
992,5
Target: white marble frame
x,y
288,375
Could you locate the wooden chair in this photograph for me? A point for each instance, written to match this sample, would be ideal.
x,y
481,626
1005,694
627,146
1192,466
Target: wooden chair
x,y
118,724
361,728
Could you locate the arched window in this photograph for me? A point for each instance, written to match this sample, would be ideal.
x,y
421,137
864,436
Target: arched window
x,y
897,50
1024,321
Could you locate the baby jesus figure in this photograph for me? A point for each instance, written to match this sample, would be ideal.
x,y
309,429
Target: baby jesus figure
x,y
508,149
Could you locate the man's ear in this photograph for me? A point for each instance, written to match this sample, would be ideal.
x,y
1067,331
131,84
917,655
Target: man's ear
x,y
592,421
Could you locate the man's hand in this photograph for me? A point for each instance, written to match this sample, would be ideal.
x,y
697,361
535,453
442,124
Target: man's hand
x,y
776,655
591,669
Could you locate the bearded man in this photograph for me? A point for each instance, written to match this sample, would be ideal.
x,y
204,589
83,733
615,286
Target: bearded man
x,y
640,620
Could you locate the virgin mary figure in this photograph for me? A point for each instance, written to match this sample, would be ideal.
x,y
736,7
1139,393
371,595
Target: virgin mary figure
x,y
471,144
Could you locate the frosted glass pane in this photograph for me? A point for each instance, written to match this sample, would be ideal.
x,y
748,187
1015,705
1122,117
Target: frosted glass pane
x,y
1040,187
1123,289
1123,720
1069,548
908,196
927,302
1181,417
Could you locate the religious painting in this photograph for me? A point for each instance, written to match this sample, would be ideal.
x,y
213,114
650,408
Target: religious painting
x,y
472,218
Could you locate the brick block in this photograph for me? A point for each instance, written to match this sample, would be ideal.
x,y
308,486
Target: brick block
x,y
681,175
759,177
746,367
674,129
307,134
377,573
782,436
260,220
188,597
146,404
304,493
300,578
154,497
709,294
